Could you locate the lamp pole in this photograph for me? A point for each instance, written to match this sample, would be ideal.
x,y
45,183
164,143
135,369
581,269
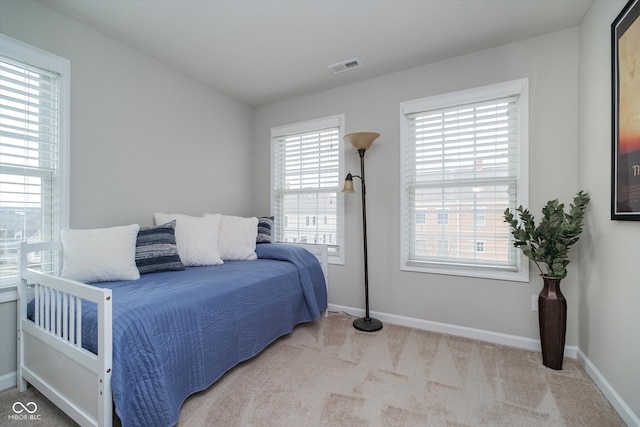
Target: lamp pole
x,y
365,323
362,141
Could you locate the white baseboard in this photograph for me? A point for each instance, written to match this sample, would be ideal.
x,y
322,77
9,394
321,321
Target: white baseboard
x,y
461,331
8,294
8,380
614,398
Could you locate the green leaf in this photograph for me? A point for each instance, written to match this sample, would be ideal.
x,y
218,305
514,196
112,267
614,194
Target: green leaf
x,y
549,241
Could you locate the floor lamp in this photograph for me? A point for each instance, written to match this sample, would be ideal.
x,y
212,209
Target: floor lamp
x,y
362,141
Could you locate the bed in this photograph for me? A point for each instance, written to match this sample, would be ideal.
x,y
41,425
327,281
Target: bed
x,y
146,345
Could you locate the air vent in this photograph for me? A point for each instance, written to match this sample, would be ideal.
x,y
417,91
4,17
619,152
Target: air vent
x,y
349,64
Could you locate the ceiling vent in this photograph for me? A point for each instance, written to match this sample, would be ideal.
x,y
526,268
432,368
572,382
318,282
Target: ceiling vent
x,y
349,64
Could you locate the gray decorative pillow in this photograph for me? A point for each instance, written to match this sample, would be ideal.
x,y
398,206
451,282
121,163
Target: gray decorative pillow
x,y
156,249
265,224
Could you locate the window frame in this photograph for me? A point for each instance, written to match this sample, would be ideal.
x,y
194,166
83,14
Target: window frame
x,y
22,53
520,270
310,126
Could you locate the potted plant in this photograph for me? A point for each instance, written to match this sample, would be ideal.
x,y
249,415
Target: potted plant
x,y
547,245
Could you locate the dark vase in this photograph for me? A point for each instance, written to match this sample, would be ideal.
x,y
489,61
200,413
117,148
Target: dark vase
x,y
552,317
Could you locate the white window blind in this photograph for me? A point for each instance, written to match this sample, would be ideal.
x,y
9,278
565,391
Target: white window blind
x,y
306,164
32,184
462,167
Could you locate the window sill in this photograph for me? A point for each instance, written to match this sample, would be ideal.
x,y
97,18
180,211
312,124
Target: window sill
x,y
521,275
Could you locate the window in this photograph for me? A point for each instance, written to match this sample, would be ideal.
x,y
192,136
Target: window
x,y
421,218
443,217
34,132
480,216
306,176
464,161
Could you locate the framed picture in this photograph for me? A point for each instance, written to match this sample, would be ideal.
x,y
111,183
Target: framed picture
x,y
625,179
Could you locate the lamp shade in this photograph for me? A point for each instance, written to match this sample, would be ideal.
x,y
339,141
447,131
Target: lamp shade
x,y
361,140
348,184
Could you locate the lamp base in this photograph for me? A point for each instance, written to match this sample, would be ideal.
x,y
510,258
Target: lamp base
x,y
367,324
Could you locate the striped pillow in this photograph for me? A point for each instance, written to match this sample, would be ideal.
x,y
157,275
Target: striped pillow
x,y
265,223
156,249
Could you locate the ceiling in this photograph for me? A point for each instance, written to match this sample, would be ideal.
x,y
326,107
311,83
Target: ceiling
x,y
264,51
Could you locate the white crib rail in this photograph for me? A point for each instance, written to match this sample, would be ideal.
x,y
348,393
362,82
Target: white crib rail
x,y
58,312
50,352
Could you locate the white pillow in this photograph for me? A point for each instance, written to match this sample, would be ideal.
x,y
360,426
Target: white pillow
x,y
196,237
100,254
237,237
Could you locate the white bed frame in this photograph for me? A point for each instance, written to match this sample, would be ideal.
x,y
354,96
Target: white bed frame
x,y
50,353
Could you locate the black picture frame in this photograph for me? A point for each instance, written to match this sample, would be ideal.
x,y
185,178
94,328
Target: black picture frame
x,y
625,126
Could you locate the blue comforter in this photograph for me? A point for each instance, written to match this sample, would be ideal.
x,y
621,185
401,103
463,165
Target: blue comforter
x,y
176,333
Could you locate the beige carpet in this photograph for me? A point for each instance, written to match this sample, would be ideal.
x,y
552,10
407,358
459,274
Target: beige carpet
x,y
328,374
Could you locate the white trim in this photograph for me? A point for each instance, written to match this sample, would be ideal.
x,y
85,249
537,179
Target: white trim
x,y
466,96
518,86
309,126
8,293
468,270
16,50
24,52
8,380
460,331
609,392
21,51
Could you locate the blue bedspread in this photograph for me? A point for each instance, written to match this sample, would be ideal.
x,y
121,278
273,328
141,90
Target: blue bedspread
x,y
176,333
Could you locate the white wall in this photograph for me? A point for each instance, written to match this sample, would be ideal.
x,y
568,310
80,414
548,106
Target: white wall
x,y
610,277
144,137
551,63
8,335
